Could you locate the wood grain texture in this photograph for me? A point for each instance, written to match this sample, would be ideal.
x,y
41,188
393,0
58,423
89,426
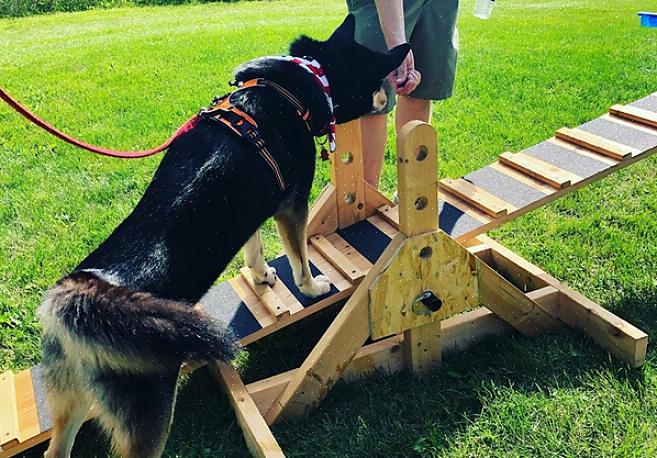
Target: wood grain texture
x,y
600,145
646,117
267,296
476,196
449,271
323,215
347,176
540,170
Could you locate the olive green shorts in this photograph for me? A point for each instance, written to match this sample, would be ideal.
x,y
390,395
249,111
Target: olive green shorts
x,y
431,31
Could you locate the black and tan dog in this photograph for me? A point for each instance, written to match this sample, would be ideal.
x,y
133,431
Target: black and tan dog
x,y
118,327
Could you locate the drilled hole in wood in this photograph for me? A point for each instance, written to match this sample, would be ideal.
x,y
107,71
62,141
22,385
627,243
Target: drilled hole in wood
x,y
347,158
360,206
426,252
421,203
421,153
350,198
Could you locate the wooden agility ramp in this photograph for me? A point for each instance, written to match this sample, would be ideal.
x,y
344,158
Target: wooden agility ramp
x,y
419,278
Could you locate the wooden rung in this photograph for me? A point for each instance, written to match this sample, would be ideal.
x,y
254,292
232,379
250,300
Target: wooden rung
x,y
335,257
541,170
595,143
259,438
390,214
649,118
269,298
477,197
28,418
8,412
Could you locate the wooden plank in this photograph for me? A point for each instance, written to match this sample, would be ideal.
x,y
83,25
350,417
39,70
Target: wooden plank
x,y
374,199
335,257
511,304
649,118
261,313
544,171
462,205
28,419
270,300
350,252
600,145
323,215
258,436
583,151
430,262
328,270
417,172
611,332
476,196
347,174
383,225
523,178
390,214
334,351
422,348
9,432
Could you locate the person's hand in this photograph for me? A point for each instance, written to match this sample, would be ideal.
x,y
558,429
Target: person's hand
x,y
406,78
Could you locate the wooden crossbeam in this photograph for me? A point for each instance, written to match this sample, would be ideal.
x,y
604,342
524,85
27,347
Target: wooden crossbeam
x,y
649,118
483,200
272,302
595,143
548,173
335,256
9,432
259,439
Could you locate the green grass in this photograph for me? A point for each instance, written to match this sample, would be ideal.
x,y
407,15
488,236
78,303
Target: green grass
x,y
127,77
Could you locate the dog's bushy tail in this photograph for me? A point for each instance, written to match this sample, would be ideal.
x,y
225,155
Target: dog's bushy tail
x,y
130,327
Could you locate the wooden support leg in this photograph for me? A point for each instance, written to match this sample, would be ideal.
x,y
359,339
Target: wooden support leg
x,y
259,439
335,350
423,348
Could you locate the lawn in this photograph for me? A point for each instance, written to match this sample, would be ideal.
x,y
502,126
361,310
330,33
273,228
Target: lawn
x,y
127,77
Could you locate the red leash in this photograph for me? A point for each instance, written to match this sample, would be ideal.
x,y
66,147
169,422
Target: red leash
x,y
95,149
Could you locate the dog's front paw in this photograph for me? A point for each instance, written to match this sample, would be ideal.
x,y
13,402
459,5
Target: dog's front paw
x,y
264,276
317,286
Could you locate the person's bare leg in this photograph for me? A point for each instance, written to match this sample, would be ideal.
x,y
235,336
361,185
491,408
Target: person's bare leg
x,y
374,134
411,109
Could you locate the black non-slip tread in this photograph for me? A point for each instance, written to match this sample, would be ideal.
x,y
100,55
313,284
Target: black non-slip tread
x,y
222,303
647,103
453,221
620,134
503,186
566,159
366,238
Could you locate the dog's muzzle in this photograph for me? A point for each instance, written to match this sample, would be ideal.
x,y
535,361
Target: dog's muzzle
x,y
379,99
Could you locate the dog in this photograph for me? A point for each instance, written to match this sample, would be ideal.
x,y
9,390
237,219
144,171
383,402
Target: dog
x,y
118,327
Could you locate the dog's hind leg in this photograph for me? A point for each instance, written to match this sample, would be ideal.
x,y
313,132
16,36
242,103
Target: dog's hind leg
x,y
255,261
292,229
66,399
136,409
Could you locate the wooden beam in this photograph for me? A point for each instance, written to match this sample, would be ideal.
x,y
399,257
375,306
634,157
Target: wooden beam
x,y
541,170
9,433
417,172
374,199
422,348
620,338
648,118
347,174
323,215
258,436
483,200
335,257
334,351
595,143
511,304
271,301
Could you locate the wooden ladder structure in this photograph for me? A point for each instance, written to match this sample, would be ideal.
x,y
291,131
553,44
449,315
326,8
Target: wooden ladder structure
x,y
418,278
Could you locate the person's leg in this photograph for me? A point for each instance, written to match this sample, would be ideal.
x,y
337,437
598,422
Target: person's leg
x,y
411,109
374,135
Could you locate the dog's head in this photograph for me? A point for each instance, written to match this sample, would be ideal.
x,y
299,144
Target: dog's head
x,y
355,73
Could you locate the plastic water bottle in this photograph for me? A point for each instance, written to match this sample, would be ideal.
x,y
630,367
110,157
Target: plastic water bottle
x,y
483,8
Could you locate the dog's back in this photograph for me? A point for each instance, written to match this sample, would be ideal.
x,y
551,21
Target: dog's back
x,y
114,354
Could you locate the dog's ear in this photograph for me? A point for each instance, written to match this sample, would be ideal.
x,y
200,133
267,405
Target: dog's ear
x,y
394,58
345,32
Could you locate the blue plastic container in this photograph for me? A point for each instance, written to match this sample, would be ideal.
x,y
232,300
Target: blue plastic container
x,y
648,19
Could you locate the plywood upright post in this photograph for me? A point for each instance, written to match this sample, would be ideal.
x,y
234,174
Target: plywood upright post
x,y
417,172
